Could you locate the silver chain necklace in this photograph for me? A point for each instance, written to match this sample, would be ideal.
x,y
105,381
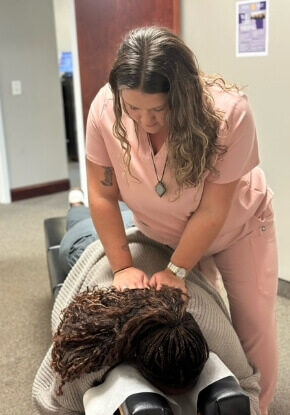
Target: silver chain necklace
x,y
160,188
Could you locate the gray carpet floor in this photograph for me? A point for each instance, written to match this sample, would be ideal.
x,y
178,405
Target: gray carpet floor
x,y
26,302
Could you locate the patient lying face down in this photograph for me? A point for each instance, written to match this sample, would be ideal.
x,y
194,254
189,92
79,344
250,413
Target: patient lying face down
x,y
102,328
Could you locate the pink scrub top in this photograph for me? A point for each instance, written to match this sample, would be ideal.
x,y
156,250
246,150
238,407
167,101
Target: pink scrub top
x,y
164,219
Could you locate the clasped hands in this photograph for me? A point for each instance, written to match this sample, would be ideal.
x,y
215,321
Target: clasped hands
x,y
135,278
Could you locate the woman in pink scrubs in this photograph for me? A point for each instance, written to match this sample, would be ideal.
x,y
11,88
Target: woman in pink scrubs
x,y
180,149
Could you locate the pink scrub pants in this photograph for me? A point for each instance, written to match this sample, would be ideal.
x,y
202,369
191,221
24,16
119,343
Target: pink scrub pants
x,y
247,260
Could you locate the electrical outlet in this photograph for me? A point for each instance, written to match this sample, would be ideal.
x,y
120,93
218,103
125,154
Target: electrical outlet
x,y
16,87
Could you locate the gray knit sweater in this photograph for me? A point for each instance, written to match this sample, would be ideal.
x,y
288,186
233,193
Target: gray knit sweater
x,y
205,304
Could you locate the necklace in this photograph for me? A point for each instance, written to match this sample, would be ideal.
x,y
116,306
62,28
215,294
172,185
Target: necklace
x,y
160,188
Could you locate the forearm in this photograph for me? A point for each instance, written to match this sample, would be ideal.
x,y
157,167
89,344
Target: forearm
x,y
106,214
198,235
205,224
108,222
200,232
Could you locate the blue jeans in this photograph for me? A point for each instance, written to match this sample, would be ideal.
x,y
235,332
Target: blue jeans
x,y
81,233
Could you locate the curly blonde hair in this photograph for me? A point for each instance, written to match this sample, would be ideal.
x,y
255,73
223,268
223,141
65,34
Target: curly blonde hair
x,y
156,60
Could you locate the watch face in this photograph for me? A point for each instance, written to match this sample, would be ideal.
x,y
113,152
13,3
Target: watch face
x,y
181,273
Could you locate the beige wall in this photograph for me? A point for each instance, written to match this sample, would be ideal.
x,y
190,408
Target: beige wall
x,y
33,122
63,29
209,28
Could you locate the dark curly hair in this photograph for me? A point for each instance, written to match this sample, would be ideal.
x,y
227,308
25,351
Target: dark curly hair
x,y
150,328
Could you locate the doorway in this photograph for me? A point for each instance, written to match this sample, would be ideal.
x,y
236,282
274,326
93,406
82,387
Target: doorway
x,y
64,30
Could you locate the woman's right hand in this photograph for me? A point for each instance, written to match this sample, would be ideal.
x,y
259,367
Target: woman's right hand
x,y
130,278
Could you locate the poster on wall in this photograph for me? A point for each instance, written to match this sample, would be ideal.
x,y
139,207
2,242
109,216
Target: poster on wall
x,y
252,19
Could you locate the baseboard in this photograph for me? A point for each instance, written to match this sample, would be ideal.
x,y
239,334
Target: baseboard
x,y
39,190
284,288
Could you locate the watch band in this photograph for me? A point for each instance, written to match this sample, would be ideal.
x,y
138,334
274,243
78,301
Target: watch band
x,y
178,271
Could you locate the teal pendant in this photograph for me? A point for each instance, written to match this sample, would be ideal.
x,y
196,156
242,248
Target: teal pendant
x,y
160,189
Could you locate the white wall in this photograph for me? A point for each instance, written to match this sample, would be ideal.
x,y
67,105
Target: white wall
x,y
209,28
33,121
63,29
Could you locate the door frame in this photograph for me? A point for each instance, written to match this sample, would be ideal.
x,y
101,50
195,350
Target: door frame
x,y
5,196
78,103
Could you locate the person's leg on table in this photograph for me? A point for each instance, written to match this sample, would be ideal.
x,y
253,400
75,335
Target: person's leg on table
x,y
76,214
80,230
81,212
83,232
77,211
127,216
249,269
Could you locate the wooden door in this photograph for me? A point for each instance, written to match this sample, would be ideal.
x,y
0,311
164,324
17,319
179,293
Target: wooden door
x,y
101,25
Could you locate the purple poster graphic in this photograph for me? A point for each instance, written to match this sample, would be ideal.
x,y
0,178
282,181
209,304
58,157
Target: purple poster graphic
x,y
252,28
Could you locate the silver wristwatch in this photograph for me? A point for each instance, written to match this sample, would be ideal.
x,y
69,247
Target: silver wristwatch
x,y
178,271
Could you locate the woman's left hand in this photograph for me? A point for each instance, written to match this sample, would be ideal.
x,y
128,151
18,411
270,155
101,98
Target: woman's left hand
x,y
166,277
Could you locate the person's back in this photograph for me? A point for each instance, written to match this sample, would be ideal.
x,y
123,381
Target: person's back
x,y
204,305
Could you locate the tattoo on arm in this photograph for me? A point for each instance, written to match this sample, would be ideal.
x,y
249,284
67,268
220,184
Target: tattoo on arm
x,y
125,247
108,176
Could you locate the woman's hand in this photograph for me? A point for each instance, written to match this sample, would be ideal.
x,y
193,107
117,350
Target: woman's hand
x,y
166,277
130,278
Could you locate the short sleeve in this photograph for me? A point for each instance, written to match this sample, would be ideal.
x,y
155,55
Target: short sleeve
x,y
96,150
240,137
